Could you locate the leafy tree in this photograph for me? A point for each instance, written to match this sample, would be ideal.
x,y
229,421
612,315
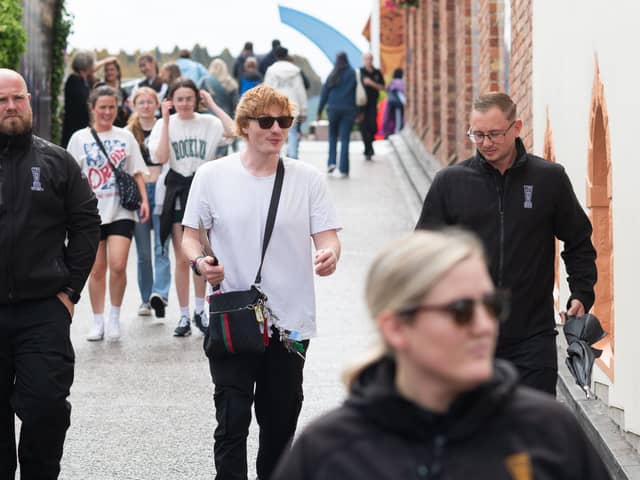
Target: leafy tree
x,y
13,37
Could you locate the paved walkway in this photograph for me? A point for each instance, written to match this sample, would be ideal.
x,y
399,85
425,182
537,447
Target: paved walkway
x,y
143,407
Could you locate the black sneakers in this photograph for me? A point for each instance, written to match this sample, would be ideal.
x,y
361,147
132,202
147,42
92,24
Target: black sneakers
x,y
200,321
158,304
184,327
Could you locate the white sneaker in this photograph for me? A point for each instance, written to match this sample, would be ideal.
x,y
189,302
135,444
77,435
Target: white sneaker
x,y
97,332
113,330
144,310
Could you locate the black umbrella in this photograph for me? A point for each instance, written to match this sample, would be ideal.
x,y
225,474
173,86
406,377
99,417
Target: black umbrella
x,y
582,332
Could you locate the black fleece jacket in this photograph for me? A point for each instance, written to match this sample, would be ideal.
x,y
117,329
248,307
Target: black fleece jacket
x,y
497,431
49,221
518,215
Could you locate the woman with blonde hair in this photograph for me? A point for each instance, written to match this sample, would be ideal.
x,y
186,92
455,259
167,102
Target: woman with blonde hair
x,y
224,89
154,276
432,402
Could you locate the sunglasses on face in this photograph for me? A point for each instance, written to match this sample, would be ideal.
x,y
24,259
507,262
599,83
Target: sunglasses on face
x,y
463,310
266,122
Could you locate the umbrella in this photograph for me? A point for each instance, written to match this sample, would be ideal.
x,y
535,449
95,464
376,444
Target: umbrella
x,y
582,332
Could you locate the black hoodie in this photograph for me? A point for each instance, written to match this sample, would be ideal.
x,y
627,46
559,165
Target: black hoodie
x,y
497,431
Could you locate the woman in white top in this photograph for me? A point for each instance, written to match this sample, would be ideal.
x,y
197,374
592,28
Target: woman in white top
x,y
117,222
186,139
154,270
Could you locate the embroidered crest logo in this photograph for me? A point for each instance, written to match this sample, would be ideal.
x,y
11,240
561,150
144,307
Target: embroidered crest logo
x,y
528,196
36,186
519,466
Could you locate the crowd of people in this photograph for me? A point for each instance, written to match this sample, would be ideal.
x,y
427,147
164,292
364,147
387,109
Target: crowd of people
x,y
467,339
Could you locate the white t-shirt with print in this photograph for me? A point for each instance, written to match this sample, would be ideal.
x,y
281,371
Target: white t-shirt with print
x,y
191,142
121,146
233,205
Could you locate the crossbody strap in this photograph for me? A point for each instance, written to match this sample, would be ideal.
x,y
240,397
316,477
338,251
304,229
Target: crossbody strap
x,y
104,150
271,217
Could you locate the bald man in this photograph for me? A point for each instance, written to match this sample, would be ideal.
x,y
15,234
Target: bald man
x,y
49,233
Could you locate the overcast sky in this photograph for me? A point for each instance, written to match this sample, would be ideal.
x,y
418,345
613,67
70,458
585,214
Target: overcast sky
x,y
216,24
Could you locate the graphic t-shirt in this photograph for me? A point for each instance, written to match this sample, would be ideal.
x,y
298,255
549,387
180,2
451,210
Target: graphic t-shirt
x,y
191,142
234,205
124,153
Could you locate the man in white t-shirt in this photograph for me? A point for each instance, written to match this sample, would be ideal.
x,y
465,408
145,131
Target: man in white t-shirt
x,y
231,197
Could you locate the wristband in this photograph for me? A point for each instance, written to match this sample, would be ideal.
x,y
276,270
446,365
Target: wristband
x,y
194,265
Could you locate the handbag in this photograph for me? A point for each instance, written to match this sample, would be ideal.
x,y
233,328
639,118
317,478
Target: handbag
x,y
236,318
130,198
361,94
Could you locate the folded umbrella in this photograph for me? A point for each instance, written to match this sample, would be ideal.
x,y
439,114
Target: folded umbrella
x,y
582,332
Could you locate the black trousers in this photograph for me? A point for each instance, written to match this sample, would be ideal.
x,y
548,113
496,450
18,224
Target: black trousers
x,y
36,373
369,126
536,360
273,381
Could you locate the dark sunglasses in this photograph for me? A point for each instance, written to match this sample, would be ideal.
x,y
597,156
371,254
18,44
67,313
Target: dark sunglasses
x,y
462,310
266,122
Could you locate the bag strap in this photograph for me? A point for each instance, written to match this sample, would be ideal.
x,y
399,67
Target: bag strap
x,y
271,217
104,150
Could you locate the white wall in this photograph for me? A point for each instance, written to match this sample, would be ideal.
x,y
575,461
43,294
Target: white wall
x,y
567,37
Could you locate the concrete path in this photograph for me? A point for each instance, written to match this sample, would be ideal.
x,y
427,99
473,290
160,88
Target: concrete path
x,y
143,407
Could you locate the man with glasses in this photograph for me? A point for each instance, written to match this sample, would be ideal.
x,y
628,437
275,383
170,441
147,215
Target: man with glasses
x,y
231,198
518,204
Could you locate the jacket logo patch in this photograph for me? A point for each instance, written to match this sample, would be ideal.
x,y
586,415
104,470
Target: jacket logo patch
x,y
528,196
36,186
519,466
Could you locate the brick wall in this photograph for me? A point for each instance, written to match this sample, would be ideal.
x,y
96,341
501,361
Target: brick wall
x,y
432,51
491,45
463,77
456,53
448,87
521,66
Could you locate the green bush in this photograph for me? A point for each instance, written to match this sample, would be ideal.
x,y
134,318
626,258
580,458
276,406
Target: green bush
x,y
13,37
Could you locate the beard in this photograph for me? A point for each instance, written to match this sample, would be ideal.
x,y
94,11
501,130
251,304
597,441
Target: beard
x,y
16,125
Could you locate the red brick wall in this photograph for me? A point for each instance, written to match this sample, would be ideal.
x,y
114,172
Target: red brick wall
x,y
447,150
491,46
521,66
432,28
463,77
410,77
456,53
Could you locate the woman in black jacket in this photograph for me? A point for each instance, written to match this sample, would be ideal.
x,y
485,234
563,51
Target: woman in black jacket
x,y
431,402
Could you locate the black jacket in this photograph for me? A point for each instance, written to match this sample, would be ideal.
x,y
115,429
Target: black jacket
x,y
517,216
44,200
377,434
178,186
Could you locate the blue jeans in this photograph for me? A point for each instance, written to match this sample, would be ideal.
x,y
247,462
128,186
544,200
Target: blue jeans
x,y
340,124
149,283
293,141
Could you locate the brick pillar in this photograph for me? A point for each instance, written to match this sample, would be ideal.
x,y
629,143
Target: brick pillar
x,y
422,55
432,29
521,66
410,76
491,46
447,150
464,77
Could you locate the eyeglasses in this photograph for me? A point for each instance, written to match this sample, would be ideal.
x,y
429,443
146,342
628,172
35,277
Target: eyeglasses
x,y
495,136
496,303
266,122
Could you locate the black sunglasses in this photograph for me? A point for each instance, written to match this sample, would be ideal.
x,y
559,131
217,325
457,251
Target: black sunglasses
x,y
462,310
266,122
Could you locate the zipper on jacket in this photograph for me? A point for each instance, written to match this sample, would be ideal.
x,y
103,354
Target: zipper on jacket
x,y
7,181
500,193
